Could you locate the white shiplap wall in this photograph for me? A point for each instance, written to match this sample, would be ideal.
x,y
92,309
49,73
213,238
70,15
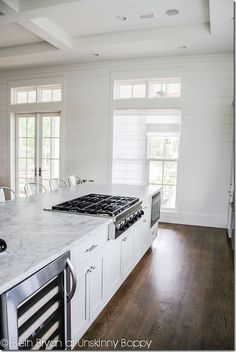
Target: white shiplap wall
x,y
207,126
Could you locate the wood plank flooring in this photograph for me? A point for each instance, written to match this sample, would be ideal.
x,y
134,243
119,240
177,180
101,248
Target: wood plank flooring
x,y
180,296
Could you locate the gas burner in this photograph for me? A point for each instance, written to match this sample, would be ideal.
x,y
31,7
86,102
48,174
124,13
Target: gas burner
x,y
97,204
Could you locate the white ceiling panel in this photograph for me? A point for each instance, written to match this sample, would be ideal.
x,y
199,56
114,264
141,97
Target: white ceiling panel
x,y
90,17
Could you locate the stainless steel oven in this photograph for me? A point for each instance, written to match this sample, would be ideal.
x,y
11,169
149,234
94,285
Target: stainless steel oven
x,y
156,207
36,312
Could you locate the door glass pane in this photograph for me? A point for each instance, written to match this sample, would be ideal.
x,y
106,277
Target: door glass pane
x,y
46,126
170,173
46,148
50,147
30,147
22,145
55,126
30,127
22,167
30,169
46,169
155,172
25,153
22,127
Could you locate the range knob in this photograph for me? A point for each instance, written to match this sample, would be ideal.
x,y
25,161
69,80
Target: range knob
x,y
131,219
126,224
118,226
139,214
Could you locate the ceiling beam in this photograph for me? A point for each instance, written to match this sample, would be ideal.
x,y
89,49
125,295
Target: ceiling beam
x,y
41,26
47,31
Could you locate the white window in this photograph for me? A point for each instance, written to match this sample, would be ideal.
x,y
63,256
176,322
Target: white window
x,y
39,94
164,88
145,150
149,89
130,89
162,156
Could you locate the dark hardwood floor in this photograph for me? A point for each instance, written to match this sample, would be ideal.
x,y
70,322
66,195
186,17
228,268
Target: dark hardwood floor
x,y
180,296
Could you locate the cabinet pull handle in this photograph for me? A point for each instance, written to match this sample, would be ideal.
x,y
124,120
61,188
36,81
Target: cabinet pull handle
x,y
74,281
91,248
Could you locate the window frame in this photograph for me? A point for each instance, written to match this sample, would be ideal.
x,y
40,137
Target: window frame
x,y
148,84
38,89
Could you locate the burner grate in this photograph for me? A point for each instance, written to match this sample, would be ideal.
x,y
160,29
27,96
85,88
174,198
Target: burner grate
x,y
97,204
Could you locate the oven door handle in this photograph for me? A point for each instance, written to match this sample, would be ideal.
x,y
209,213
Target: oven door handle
x,y
74,280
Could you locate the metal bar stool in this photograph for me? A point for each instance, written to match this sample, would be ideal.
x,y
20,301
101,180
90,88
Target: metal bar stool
x,y
33,188
74,180
56,183
4,191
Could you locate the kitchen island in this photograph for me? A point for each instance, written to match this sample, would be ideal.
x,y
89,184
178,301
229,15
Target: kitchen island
x,y
36,237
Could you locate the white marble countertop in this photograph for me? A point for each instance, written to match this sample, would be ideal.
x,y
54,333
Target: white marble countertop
x,y
36,237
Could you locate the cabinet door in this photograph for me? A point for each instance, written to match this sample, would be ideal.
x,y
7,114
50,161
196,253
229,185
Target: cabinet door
x,y
79,305
112,267
127,251
141,238
95,287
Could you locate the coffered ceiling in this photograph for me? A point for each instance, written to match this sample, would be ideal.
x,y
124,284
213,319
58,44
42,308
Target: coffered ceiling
x,y
44,32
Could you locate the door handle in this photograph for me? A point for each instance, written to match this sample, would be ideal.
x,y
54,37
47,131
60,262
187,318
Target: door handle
x,y
40,171
74,280
35,171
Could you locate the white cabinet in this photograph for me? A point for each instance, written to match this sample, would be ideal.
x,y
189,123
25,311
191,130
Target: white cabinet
x,y
95,287
88,299
112,267
142,235
127,253
79,309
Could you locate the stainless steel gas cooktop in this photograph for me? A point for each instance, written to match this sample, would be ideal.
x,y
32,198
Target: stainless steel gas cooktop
x,y
124,211
97,204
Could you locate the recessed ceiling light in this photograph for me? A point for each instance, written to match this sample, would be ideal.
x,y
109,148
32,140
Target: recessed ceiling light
x,y
121,18
172,12
182,47
146,16
95,54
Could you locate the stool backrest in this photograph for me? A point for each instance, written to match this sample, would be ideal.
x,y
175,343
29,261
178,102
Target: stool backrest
x,y
74,180
56,183
3,194
33,188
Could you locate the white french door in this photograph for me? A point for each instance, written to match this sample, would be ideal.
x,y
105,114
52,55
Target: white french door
x,y
37,149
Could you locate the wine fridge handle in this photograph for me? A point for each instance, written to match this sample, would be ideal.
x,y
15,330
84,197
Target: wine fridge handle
x,y
74,281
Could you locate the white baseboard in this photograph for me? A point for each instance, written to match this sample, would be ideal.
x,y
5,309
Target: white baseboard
x,y
194,219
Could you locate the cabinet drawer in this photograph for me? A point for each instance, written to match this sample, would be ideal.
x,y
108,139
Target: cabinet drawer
x,y
88,246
